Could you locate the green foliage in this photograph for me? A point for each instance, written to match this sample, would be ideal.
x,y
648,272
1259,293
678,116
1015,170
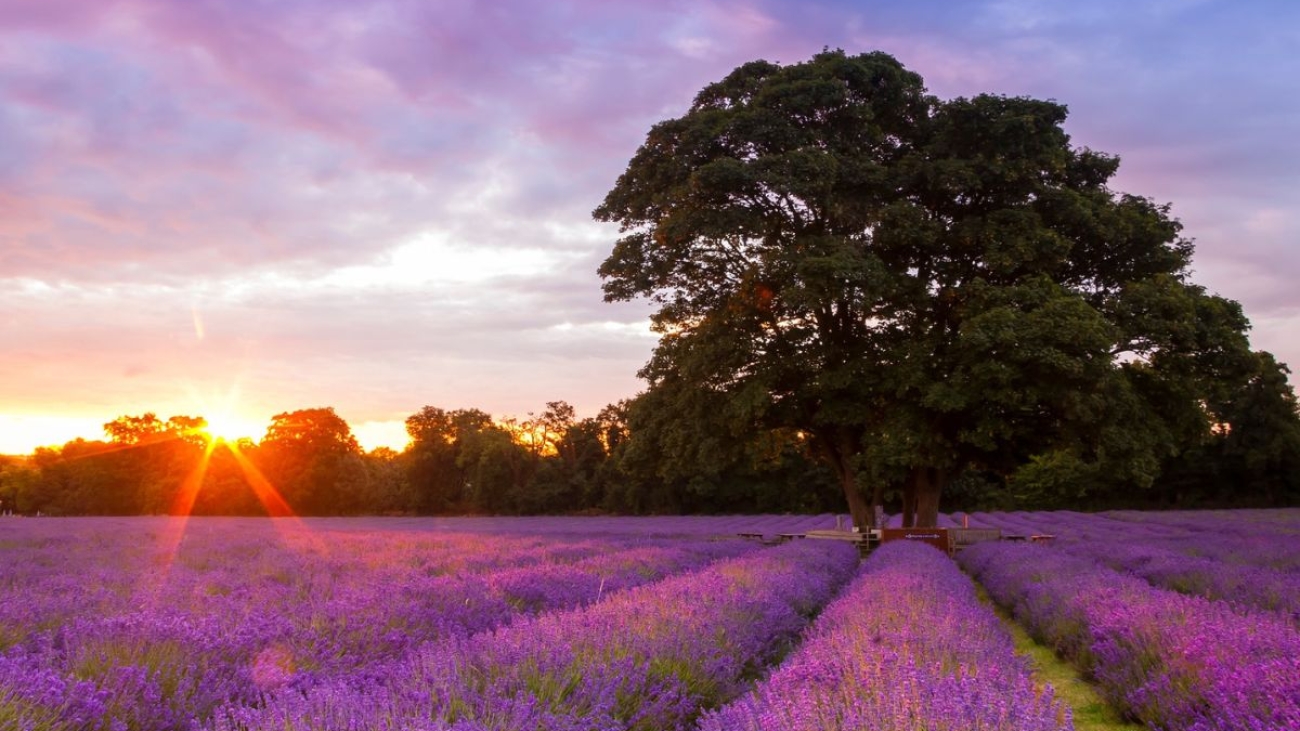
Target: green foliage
x,y
19,485
681,455
432,461
1250,458
1054,478
313,460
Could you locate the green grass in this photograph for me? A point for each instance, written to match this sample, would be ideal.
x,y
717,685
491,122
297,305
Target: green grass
x,y
1090,710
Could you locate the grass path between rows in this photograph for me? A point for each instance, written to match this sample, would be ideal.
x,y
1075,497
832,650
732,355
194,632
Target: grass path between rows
x,y
1090,710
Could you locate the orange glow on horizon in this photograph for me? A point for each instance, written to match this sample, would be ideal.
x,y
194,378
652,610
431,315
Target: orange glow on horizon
x,y
225,420
22,434
225,427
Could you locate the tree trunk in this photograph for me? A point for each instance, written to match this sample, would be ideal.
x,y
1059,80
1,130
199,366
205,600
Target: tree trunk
x,y
837,448
863,515
928,483
909,500
877,499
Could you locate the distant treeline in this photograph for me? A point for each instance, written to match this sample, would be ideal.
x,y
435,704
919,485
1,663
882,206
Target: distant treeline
x,y
458,462
629,459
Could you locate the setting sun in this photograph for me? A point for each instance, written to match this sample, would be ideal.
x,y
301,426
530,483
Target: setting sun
x,y
230,428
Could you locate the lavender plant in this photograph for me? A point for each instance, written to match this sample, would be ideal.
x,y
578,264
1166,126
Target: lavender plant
x,y
907,645
1204,554
649,658
1173,661
110,628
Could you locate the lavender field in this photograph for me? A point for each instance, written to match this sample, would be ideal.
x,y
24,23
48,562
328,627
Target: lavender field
x,y
1184,620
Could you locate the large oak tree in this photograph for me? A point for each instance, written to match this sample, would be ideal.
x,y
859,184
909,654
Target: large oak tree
x,y
917,286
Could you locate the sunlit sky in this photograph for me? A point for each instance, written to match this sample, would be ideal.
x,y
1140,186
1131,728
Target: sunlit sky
x,y
239,208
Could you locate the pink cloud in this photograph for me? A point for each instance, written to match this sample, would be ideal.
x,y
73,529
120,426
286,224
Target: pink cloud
x,y
62,16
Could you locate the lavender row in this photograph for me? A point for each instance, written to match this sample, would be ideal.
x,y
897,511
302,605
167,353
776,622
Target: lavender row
x,y
1248,585
1264,538
647,659
907,645
1278,521
202,567
228,568
621,526
1216,565
1172,661
170,659
1267,545
1018,523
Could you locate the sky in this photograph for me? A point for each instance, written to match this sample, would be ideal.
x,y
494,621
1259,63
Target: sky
x,y
237,208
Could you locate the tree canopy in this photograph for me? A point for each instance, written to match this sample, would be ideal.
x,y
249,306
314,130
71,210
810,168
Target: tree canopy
x,y
314,461
917,287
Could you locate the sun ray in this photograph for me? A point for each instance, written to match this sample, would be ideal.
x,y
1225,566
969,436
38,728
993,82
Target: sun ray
x,y
183,505
293,531
267,494
178,517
